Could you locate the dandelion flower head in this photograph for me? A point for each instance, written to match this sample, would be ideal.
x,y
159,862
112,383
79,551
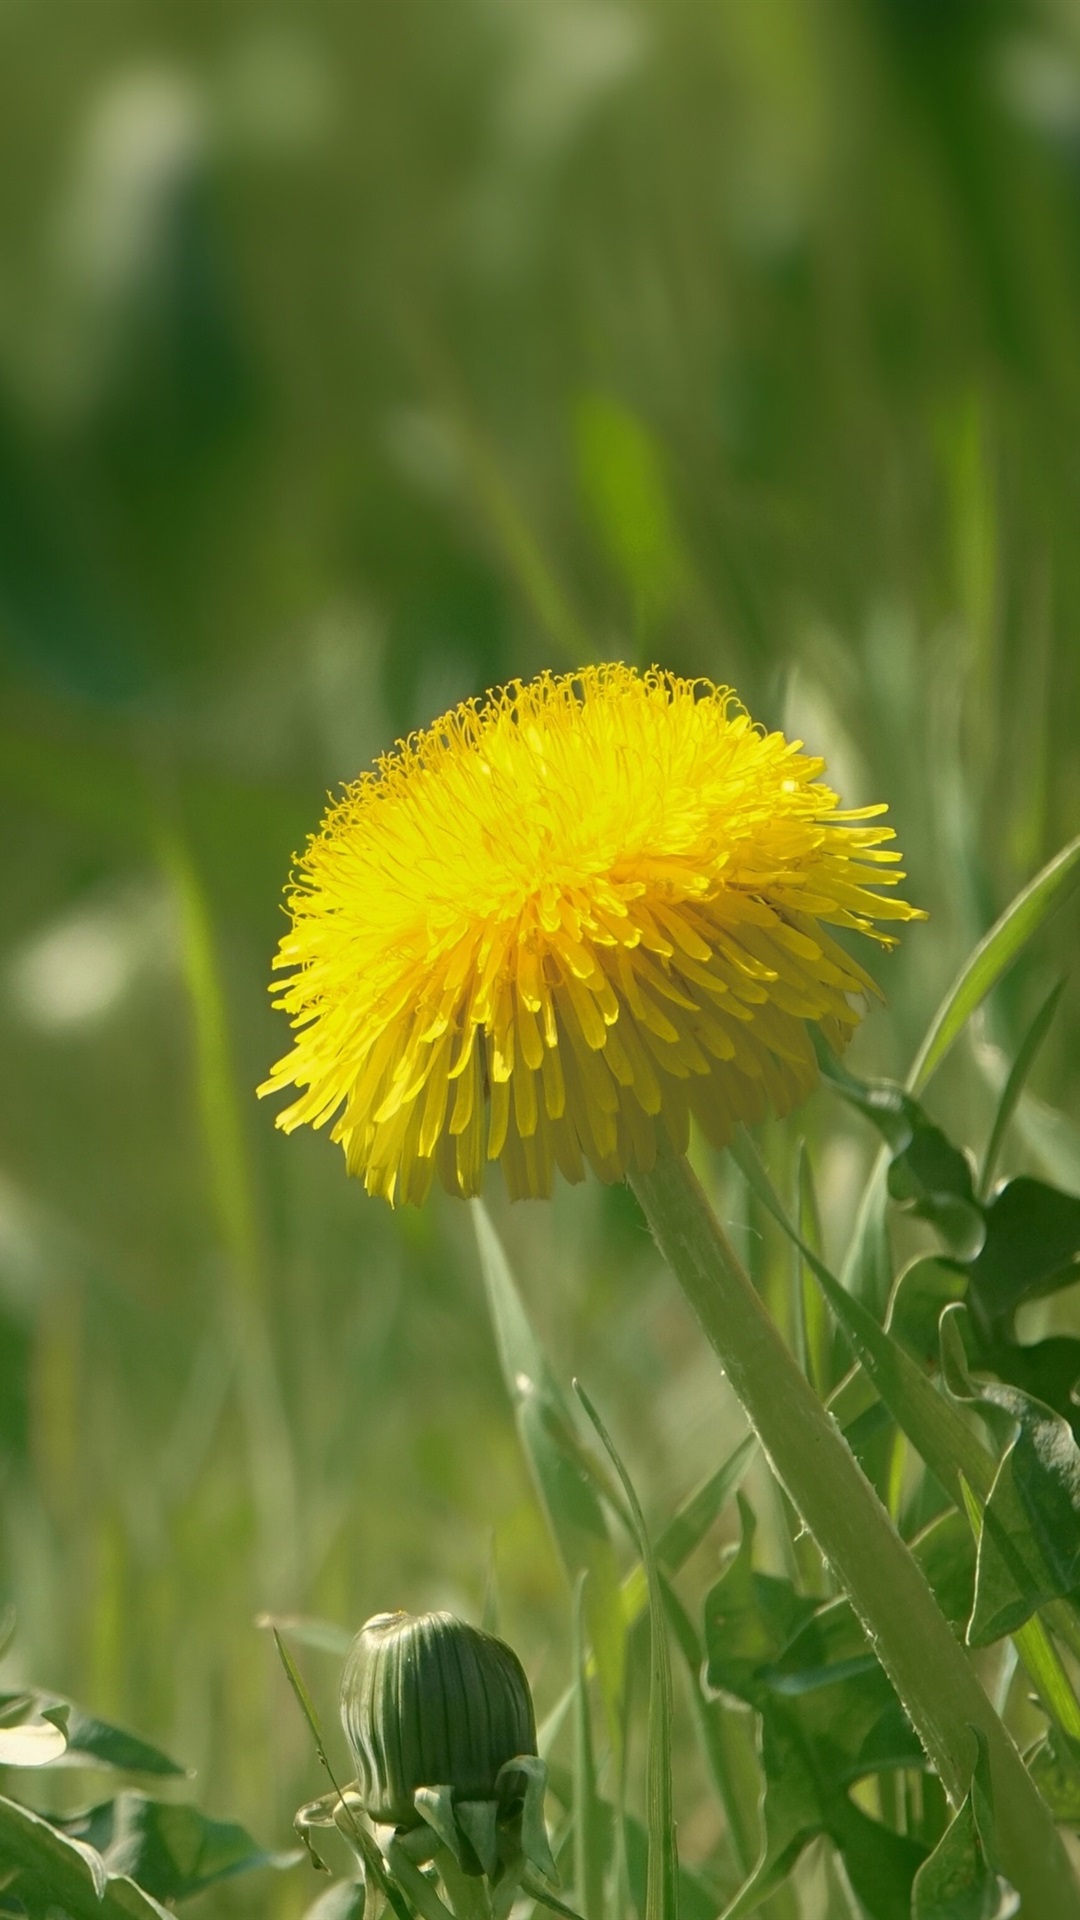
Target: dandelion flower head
x,y
565,920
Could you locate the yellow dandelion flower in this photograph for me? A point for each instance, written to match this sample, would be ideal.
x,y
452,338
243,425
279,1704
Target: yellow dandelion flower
x,y
564,920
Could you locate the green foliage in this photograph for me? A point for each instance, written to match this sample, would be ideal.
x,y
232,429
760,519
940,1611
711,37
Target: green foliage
x,y
828,1718
124,1856
352,360
959,1881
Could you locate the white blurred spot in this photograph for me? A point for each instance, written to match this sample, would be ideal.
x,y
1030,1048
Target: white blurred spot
x,y
1041,84
34,1745
23,1236
143,139
423,449
571,52
75,971
278,95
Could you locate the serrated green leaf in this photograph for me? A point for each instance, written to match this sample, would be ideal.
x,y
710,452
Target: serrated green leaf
x,y
171,1851
995,953
921,1292
750,1618
1032,1247
959,1880
71,1874
565,1488
89,1741
1029,1545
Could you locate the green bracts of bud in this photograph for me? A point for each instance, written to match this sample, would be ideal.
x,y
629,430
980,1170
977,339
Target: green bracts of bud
x,y
428,1702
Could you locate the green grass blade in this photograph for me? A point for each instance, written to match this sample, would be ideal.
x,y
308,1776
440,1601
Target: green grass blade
x,y
589,1846
992,957
1014,1085
296,1681
662,1885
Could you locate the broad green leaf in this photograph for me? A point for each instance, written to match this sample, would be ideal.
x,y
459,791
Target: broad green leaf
x,y
933,1180
170,1851
1029,1544
662,1884
565,1488
345,1900
992,957
959,1880
1032,1247
750,1618
1014,1086
55,1870
88,1741
927,1174
921,1292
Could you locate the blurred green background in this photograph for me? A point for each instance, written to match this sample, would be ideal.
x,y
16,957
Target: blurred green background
x,y
354,358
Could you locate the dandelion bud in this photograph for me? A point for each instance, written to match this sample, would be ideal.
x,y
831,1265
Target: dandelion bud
x,y
429,1702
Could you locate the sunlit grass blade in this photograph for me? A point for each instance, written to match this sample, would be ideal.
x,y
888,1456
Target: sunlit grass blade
x,y
1014,1085
992,957
562,1478
662,1885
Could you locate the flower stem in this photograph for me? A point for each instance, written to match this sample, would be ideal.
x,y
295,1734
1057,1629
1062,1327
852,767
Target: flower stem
x,y
911,1637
